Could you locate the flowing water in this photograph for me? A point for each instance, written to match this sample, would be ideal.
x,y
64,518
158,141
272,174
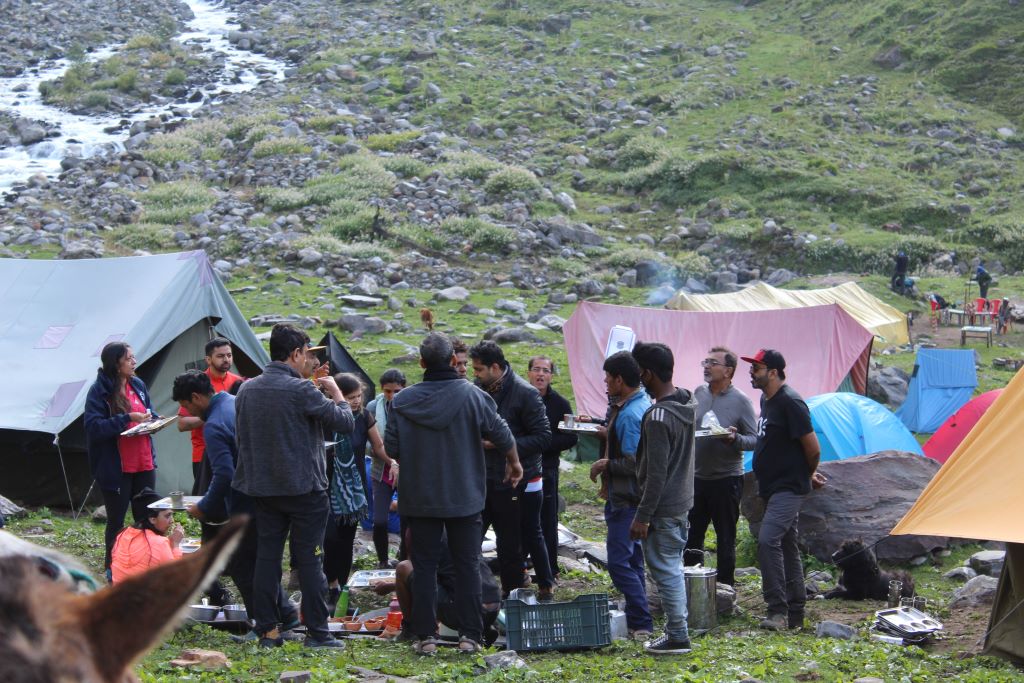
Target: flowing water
x,y
86,136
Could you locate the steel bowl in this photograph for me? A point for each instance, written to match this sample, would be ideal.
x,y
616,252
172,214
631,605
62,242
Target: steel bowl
x,y
235,613
203,612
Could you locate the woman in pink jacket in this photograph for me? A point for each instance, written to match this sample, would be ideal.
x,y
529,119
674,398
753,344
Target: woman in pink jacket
x,y
156,538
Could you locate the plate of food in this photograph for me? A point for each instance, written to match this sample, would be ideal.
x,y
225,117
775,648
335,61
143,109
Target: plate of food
x,y
713,432
190,545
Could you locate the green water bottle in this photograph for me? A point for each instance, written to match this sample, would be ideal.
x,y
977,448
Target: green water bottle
x,y
342,609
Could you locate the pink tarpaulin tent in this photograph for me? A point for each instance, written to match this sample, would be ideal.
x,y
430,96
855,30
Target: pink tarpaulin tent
x,y
823,345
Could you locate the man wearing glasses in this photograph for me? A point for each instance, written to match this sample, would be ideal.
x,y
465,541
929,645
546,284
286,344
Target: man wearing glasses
x,y
785,459
718,470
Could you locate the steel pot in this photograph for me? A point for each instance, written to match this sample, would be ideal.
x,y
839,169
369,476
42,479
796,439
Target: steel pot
x,y
203,612
235,613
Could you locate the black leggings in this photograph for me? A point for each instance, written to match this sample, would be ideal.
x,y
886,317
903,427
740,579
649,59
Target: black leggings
x,y
118,502
338,542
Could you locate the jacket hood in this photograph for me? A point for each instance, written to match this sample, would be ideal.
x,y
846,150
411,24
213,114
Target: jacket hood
x,y
433,404
680,403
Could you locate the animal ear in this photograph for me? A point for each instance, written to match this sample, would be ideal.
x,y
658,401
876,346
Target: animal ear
x,y
123,622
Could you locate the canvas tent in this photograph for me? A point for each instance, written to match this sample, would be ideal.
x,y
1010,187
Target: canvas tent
x,y
942,381
947,437
884,321
977,494
823,345
342,361
848,425
56,316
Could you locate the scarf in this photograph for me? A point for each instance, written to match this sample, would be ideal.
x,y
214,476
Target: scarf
x,y
348,499
496,386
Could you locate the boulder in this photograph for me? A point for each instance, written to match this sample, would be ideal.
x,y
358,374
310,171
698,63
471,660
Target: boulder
x,y
295,677
502,335
9,508
366,285
554,24
889,58
661,295
864,499
507,659
196,658
360,301
988,562
453,294
363,324
888,385
981,590
725,599
833,629
779,277
960,574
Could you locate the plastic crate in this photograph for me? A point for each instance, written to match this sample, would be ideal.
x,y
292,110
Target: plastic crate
x,y
581,623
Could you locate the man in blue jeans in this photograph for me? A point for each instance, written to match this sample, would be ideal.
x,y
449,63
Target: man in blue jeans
x,y
619,487
664,462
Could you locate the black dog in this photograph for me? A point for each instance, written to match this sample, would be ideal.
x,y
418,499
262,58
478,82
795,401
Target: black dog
x,y
862,578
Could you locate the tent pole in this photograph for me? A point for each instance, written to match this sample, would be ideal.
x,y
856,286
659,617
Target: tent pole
x,y
67,484
85,500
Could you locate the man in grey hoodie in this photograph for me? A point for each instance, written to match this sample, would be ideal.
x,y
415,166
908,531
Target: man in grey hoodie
x,y
664,463
436,431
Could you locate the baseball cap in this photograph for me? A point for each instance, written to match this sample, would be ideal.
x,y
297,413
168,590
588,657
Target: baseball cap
x,y
770,358
315,348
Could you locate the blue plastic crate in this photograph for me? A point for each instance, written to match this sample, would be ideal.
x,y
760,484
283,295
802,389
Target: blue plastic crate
x,y
581,623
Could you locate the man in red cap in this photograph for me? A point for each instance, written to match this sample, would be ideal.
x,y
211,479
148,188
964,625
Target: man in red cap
x,y
785,459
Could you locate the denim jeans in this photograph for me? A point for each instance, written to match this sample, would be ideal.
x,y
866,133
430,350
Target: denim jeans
x,y
626,566
782,570
663,549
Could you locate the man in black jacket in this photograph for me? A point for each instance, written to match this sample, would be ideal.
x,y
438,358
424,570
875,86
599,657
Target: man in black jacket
x,y
540,371
515,511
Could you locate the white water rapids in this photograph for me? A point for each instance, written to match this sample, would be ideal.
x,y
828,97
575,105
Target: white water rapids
x,y
86,136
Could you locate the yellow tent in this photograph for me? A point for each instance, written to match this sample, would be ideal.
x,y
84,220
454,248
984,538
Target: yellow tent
x,y
977,494
884,321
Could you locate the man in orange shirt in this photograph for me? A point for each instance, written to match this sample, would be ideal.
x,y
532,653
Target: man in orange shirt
x,y
218,368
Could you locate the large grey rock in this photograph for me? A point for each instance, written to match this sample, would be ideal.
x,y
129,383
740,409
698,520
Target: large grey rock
x,y
360,301
988,562
865,497
960,574
889,58
363,324
661,295
780,276
833,629
510,335
888,385
556,23
506,659
725,599
453,294
566,202
9,508
981,590
366,285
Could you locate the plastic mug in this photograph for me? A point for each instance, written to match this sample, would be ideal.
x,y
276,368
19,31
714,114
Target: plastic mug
x,y
570,420
177,499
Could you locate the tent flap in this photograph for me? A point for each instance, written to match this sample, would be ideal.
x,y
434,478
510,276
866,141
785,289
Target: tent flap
x,y
943,380
849,425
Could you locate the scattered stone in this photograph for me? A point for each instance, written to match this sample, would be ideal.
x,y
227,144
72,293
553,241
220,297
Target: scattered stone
x,y
511,335
295,676
889,58
99,514
833,629
988,562
554,24
195,658
981,590
725,599
566,202
360,301
363,324
453,294
888,385
960,574
506,659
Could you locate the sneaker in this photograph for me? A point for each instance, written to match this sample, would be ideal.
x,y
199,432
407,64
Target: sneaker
x,y
775,622
546,594
324,642
425,647
640,634
271,639
468,646
796,620
665,646
249,637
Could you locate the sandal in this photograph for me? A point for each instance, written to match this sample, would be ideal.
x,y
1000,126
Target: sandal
x,y
468,646
425,647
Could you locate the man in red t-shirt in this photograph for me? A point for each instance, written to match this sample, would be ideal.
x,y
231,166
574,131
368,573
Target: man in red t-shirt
x,y
218,361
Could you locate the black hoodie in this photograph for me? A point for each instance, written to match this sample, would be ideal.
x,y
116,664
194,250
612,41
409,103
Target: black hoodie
x,y
435,431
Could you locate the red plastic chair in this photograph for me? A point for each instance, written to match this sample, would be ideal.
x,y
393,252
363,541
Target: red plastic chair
x,y
993,305
980,304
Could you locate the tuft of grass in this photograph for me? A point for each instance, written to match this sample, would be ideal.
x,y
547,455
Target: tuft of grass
x,y
146,236
405,166
274,147
389,142
469,165
511,180
175,202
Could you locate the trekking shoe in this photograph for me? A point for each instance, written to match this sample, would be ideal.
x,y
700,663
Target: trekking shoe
x,y
249,637
546,594
663,645
640,635
775,622
796,620
271,639
425,647
288,629
324,642
468,646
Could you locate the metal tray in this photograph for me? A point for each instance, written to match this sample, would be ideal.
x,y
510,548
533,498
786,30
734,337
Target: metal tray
x,y
165,503
581,427
367,577
706,433
909,620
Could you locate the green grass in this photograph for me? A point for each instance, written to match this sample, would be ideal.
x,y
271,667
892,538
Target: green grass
x,y
175,202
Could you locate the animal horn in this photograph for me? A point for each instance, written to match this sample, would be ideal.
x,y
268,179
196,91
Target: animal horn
x,y
123,622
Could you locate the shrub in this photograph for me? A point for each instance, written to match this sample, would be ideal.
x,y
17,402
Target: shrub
x,y
96,99
405,166
639,151
175,202
691,264
168,148
325,123
630,256
351,226
271,147
175,77
478,233
469,165
145,236
126,80
143,41
511,180
420,236
282,198
361,177
389,142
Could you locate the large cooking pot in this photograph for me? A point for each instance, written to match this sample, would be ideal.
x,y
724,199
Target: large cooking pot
x,y
203,612
701,598
235,613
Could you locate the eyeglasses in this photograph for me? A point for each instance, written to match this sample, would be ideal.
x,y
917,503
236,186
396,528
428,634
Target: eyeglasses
x,y
545,371
710,363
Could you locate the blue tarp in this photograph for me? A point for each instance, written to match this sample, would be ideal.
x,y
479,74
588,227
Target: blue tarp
x,y
849,424
942,382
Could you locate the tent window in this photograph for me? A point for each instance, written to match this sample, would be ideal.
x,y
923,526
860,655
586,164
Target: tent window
x,y
53,337
63,397
111,338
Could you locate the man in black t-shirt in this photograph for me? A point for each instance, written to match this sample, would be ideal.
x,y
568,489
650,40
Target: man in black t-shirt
x,y
785,459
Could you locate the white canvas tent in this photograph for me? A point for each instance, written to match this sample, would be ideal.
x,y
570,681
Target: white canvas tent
x,y
56,316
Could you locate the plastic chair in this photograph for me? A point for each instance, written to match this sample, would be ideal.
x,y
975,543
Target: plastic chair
x,y
993,305
980,304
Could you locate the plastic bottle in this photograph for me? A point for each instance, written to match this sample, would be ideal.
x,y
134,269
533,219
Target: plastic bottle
x,y
342,609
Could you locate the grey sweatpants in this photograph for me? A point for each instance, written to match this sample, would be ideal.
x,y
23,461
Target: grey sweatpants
x,y
782,571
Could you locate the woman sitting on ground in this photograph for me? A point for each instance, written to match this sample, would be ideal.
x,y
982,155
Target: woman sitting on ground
x,y
146,543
